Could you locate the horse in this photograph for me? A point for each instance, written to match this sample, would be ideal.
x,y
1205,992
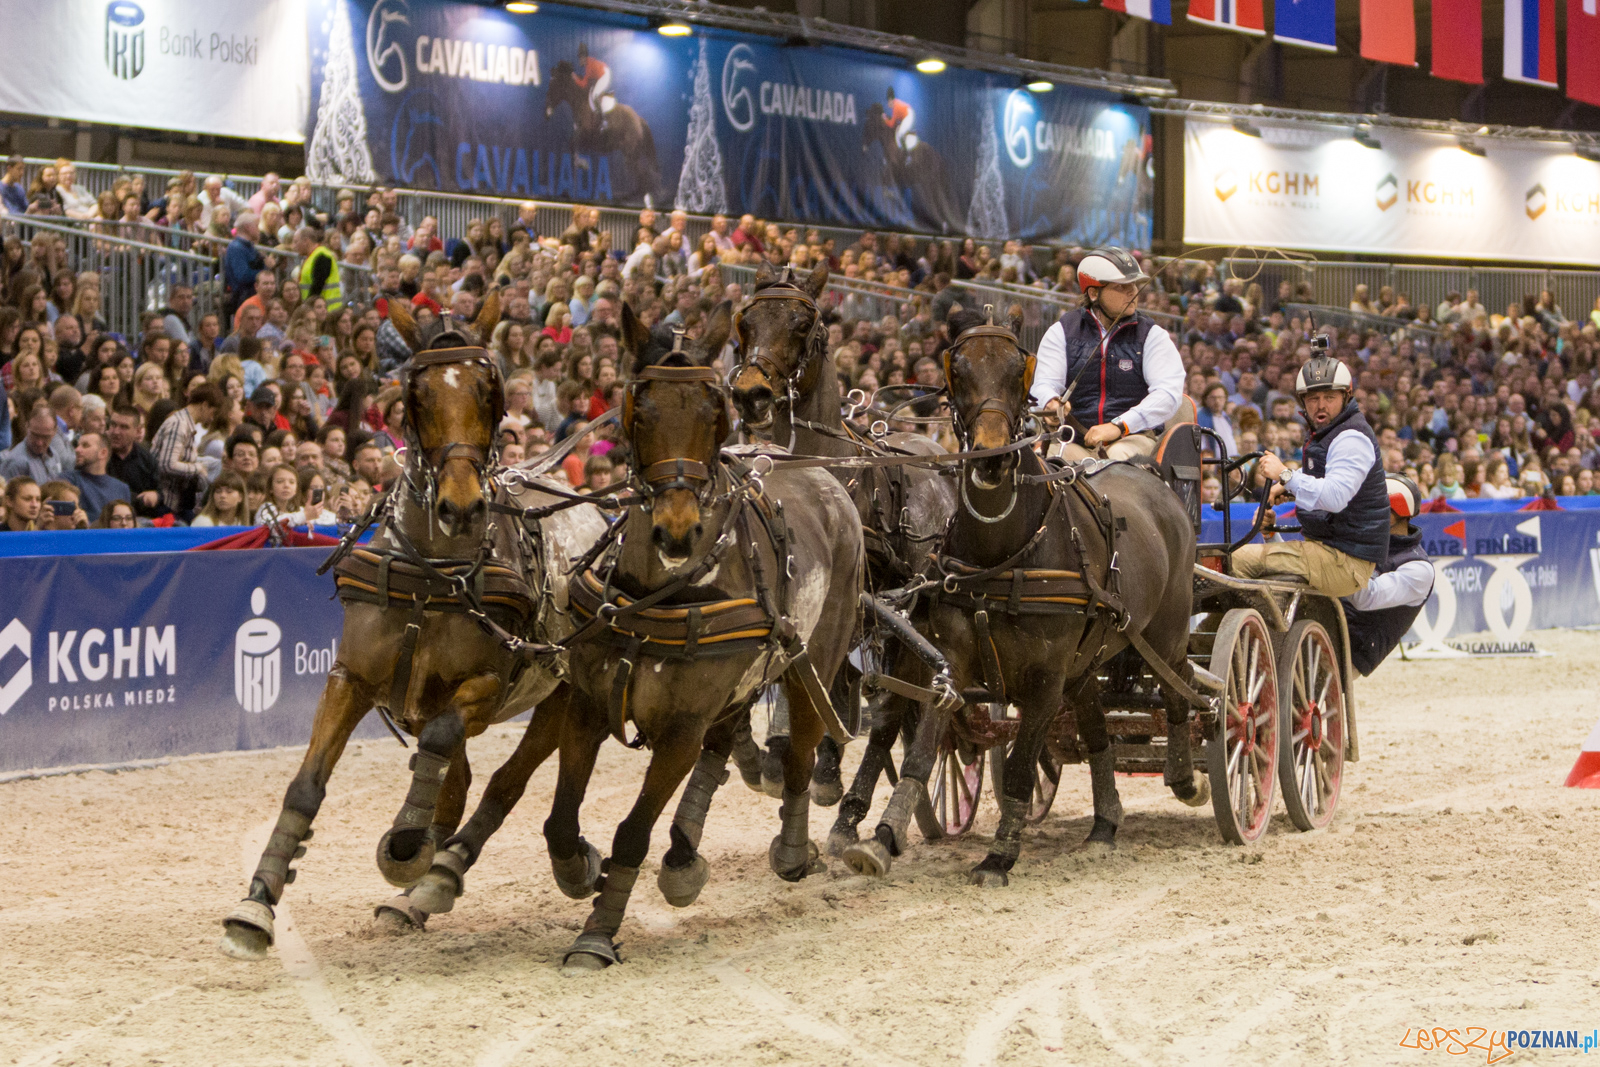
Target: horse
x,y
784,387
1047,575
433,608
921,171
721,579
624,131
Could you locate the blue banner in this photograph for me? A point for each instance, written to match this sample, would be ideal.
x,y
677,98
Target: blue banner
x,y
583,105
192,652
1308,23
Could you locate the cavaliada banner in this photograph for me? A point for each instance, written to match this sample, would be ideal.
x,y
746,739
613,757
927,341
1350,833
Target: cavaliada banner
x,y
579,104
231,67
1418,194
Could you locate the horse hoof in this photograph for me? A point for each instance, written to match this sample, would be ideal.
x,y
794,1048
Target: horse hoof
x,y
682,887
399,915
791,868
840,840
772,767
577,875
1202,791
247,931
591,952
404,855
826,794
988,879
446,880
869,858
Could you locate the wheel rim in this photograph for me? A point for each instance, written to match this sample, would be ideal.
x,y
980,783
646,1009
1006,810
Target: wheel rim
x,y
1314,766
1248,735
956,790
1046,780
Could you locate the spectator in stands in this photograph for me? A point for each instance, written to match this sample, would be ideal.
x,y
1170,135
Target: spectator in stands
x,y
118,515
43,454
13,195
242,263
23,504
131,462
268,193
76,201
225,503
216,195
181,475
97,488
62,507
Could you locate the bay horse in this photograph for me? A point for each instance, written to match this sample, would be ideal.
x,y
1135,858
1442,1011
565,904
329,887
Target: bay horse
x,y
920,171
721,580
624,131
1048,575
415,638
785,388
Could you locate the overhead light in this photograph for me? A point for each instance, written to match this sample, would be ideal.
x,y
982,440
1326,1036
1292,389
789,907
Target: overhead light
x,y
674,29
931,65
1249,129
1041,86
1471,148
1364,138
521,7
1483,131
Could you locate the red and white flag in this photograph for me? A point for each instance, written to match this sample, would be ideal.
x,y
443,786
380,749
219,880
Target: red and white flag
x,y
1583,50
1388,32
1159,11
1458,40
1245,16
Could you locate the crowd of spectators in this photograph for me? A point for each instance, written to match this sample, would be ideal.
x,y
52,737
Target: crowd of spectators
x,y
283,405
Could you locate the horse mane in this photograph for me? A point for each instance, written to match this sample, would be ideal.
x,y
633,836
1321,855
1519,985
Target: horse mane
x,y
962,320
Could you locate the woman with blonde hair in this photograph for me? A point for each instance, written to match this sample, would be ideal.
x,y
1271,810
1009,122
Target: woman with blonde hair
x,y
509,341
558,323
150,385
225,502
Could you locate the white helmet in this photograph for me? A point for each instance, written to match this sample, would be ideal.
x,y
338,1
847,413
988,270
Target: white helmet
x,y
1109,266
1321,373
1405,499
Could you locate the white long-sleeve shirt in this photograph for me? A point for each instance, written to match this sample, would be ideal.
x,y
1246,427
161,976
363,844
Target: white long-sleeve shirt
x,y
1349,459
1163,375
1408,585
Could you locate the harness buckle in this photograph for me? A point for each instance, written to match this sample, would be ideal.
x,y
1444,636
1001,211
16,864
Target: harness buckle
x,y
878,429
950,584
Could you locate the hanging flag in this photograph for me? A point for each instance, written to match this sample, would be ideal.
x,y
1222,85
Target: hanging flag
x,y
1531,41
1388,32
1308,23
1458,40
1154,10
1583,50
1245,16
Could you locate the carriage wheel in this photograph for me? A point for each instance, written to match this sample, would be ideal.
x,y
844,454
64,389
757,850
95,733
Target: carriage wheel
x,y
1046,780
1311,738
956,786
1244,744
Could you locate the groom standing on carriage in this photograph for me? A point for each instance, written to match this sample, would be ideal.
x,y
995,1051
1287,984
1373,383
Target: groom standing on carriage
x,y
1111,368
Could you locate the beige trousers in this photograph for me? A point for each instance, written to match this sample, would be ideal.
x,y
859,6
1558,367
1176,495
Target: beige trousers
x,y
1134,446
1327,569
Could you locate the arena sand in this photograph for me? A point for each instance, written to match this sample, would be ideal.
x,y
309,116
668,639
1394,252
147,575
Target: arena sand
x,y
1458,887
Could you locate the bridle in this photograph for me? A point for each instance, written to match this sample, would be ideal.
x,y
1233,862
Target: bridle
x,y
679,472
783,289
423,466
963,421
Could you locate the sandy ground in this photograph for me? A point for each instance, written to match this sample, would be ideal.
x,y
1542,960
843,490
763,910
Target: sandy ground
x,y
1458,887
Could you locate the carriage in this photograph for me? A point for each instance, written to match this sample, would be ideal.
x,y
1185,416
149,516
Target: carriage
x,y
1283,715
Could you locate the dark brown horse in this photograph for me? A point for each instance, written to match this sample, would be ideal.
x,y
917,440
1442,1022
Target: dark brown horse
x,y
1102,557
412,642
720,582
785,388
622,130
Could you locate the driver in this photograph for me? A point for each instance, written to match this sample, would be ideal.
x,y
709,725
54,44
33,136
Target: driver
x,y
1116,370
594,76
1339,494
1379,615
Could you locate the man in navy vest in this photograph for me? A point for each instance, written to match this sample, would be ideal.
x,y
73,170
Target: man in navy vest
x,y
1113,368
1379,615
1339,492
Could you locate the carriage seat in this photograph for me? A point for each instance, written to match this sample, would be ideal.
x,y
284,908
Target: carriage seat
x,y
1177,459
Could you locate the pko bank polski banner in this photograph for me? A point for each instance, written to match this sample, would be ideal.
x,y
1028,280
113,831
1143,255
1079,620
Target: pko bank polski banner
x,y
570,104
112,658
1418,194
231,67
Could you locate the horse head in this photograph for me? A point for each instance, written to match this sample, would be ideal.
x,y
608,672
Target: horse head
x,y
781,340
675,416
872,127
560,89
454,401
988,374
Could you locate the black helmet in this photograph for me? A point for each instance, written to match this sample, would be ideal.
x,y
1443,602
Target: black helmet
x,y
1322,373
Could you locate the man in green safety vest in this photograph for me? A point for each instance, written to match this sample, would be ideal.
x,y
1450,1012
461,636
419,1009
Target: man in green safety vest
x,y
319,269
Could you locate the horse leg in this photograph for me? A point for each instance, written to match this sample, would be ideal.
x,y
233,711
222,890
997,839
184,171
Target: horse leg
x,y
893,833
791,855
779,744
407,910
827,784
670,761
1102,776
1187,784
1039,708
893,712
405,851
446,879
684,872
746,753
248,931
574,862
